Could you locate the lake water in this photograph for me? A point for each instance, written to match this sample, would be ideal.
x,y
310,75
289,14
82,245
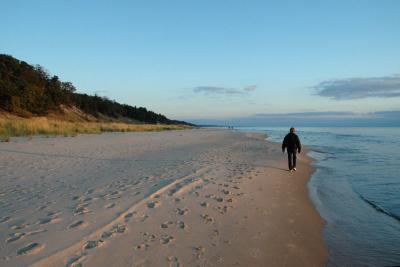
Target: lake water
x,y
356,189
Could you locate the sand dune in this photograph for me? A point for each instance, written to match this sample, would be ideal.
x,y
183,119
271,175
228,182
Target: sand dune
x,y
180,198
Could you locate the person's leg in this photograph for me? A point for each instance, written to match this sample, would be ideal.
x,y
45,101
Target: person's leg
x,y
290,159
294,159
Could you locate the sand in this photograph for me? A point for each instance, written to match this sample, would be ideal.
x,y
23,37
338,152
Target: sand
x,y
197,197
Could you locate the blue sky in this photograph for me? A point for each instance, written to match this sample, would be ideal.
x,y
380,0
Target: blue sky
x,y
209,60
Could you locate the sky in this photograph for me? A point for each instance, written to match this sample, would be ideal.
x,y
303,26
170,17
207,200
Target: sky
x,y
208,61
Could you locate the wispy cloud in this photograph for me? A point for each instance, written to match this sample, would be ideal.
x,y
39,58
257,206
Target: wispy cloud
x,y
214,90
250,88
355,88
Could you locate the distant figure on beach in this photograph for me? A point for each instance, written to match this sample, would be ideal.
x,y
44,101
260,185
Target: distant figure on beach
x,y
292,144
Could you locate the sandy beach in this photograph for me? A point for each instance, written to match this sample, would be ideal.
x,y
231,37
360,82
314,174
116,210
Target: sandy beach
x,y
197,197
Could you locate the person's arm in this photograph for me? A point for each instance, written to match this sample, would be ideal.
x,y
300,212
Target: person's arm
x,y
284,144
298,144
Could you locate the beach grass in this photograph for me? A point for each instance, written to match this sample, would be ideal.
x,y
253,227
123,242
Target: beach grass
x,y
51,127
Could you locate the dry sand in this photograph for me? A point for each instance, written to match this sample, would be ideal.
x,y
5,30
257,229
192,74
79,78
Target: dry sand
x,y
178,198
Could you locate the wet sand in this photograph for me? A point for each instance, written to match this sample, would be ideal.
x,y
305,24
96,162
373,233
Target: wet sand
x,y
179,198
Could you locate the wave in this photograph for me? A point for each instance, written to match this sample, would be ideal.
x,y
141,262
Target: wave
x,y
378,208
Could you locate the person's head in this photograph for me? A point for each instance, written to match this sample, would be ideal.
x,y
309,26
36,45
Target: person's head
x,y
292,130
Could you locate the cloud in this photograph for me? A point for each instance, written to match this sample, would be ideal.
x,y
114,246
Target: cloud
x,y
250,88
214,90
356,88
217,90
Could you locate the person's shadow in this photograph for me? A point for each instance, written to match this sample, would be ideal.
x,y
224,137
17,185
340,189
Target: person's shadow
x,y
276,168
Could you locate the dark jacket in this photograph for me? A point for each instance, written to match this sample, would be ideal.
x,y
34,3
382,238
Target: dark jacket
x,y
291,143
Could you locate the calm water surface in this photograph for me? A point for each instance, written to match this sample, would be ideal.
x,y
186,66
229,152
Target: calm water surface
x,y
356,189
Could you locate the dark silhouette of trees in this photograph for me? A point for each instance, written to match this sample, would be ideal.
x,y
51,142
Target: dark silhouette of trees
x,y
30,90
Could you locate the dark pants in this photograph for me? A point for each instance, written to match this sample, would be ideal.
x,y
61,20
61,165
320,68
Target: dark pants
x,y
291,159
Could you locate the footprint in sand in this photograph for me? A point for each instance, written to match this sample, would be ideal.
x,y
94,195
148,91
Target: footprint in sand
x,y
119,228
31,248
173,261
75,261
116,229
166,224
219,199
182,211
109,206
18,226
143,218
255,252
181,224
166,239
35,232
128,216
156,196
14,237
222,210
90,190
215,233
207,218
226,192
81,209
199,251
153,204
76,224
87,199
49,220
149,237
143,246
93,244
204,204
5,219
195,193
113,197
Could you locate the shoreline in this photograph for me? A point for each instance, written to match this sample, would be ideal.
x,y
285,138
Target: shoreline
x,y
220,198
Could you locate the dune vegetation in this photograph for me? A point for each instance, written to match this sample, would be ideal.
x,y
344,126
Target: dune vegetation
x,y
12,127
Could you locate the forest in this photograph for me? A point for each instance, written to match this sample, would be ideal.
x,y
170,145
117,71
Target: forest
x,y
27,90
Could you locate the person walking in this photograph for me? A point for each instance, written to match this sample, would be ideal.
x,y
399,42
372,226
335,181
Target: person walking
x,y
292,144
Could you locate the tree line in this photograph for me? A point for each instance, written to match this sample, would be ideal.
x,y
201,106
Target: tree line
x,y
30,90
